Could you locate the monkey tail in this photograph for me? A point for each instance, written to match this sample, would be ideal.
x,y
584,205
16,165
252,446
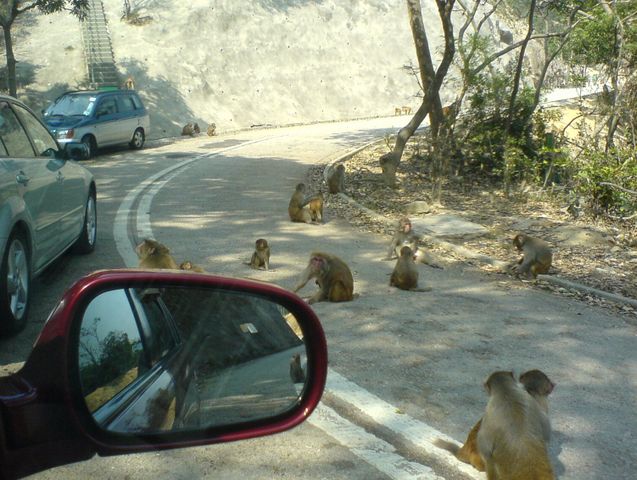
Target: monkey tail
x,y
449,446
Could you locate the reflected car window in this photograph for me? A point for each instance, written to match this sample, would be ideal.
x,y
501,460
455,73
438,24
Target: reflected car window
x,y
158,335
13,136
44,143
110,348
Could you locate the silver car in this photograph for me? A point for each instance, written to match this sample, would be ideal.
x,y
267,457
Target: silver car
x,y
47,205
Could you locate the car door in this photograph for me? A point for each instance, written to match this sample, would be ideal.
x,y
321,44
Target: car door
x,y
128,117
71,193
106,121
36,188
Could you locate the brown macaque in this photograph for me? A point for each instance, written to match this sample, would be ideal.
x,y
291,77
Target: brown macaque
x,y
191,129
212,130
336,179
537,256
512,437
296,206
406,110
404,236
261,255
398,111
153,254
333,277
405,274
315,205
296,370
539,386
188,265
130,84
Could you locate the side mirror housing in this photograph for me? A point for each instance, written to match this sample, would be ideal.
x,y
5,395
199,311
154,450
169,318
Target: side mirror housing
x,y
134,360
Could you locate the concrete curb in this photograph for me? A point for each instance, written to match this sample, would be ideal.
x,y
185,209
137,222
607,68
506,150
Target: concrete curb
x,y
467,253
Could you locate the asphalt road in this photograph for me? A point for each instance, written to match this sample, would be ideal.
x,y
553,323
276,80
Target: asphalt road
x,y
405,366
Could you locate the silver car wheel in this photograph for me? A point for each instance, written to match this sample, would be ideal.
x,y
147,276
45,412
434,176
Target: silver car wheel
x,y
138,139
91,220
17,278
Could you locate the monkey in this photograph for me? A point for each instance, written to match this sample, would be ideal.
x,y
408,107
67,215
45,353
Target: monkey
x,y
539,386
512,437
333,277
406,110
296,370
153,254
130,84
398,111
315,205
336,179
404,236
405,274
212,129
188,265
261,255
296,208
537,256
191,129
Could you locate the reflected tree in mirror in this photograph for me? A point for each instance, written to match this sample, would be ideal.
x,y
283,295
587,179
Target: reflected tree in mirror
x,y
159,359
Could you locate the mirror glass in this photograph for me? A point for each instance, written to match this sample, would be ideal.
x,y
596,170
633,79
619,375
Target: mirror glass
x,y
167,359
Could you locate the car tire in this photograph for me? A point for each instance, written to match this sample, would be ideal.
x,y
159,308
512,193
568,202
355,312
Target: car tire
x,y
91,145
86,241
138,139
15,283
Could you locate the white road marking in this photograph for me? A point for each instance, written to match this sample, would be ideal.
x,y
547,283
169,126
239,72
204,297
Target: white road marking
x,y
366,446
373,450
383,413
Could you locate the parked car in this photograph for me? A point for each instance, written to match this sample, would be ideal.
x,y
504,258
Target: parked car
x,y
131,361
47,205
98,119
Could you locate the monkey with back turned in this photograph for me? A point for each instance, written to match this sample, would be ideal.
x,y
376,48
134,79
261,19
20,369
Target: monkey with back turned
x,y
153,254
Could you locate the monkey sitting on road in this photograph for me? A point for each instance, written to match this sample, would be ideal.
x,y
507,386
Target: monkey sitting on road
x,y
153,254
315,205
191,129
404,236
514,431
537,256
296,207
188,265
336,179
261,255
539,386
405,274
333,277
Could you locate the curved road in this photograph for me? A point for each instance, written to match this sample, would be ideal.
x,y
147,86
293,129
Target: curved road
x,y
404,366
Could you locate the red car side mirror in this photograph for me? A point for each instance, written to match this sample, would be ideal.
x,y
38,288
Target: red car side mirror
x,y
134,360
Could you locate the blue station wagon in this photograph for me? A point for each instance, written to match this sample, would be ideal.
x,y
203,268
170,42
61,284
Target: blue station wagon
x,y
98,119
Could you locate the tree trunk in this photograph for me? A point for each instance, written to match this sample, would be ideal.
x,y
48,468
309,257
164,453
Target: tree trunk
x,y
8,46
432,80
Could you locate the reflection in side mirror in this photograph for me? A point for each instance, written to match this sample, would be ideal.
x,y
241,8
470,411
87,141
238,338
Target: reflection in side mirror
x,y
153,360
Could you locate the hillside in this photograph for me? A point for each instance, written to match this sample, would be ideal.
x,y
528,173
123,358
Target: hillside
x,y
240,63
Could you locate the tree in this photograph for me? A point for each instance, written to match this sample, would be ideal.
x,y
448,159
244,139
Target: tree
x,y
11,9
431,81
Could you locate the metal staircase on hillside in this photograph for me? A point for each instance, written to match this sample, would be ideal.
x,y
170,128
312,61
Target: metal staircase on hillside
x,y
98,50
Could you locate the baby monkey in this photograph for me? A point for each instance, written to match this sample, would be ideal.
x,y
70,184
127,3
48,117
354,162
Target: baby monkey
x,y
191,267
537,256
261,255
405,274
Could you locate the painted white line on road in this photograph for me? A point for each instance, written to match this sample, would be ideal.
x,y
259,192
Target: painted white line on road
x,y
373,450
120,225
385,414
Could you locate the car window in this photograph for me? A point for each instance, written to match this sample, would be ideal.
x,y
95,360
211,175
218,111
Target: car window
x,y
110,348
126,104
13,137
158,335
108,106
137,102
44,144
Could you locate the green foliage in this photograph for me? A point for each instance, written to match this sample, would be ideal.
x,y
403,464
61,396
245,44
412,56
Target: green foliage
x,y
593,42
619,167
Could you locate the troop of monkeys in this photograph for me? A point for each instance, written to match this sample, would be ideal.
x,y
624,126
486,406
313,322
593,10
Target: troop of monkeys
x,y
510,441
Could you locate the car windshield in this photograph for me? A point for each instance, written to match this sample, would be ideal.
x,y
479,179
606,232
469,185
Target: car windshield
x,y
70,105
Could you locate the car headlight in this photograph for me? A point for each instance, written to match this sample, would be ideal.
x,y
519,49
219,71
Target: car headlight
x,y
65,134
